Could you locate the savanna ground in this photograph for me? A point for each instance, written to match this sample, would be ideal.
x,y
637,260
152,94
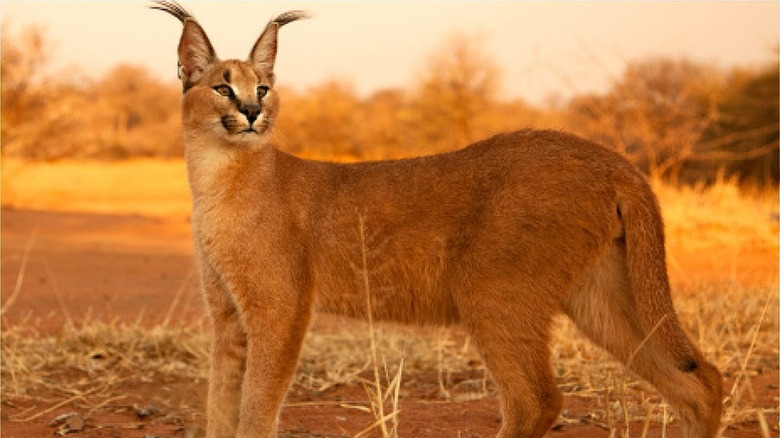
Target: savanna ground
x,y
104,333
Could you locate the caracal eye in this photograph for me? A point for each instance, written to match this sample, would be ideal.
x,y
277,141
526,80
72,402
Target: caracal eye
x,y
262,90
224,90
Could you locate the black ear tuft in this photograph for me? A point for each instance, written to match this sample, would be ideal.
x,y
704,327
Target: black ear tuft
x,y
290,16
263,54
172,8
195,50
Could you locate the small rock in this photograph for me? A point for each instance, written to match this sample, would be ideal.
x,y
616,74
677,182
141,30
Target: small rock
x,y
75,423
61,419
68,423
143,412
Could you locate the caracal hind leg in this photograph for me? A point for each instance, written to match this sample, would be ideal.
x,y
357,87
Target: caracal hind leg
x,y
275,334
603,308
515,346
228,358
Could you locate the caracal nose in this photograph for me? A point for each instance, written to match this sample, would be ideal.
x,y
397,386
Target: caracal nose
x,y
251,112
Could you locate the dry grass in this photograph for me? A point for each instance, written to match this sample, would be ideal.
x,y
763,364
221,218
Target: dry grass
x,y
719,216
95,360
737,328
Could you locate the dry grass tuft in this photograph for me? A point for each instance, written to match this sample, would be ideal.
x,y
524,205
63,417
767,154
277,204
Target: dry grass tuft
x,y
95,360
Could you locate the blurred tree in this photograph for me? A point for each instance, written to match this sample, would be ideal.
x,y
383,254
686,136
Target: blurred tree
x,y
453,104
457,86
322,122
24,56
125,114
42,114
383,131
675,119
743,143
140,115
655,114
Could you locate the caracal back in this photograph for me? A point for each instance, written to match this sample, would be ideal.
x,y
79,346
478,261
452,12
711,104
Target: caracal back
x,y
499,237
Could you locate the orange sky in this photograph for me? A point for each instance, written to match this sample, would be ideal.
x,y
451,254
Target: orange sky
x,y
543,48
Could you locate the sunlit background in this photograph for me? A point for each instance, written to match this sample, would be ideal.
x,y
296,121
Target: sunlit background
x,y
543,49
686,90
393,79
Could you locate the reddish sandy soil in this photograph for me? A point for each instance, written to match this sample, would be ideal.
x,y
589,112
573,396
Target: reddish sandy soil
x,y
115,268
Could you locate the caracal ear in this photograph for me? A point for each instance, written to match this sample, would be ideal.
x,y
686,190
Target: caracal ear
x,y
195,53
263,54
195,50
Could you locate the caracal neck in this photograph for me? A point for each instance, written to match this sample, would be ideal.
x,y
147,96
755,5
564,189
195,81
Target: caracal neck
x,y
222,173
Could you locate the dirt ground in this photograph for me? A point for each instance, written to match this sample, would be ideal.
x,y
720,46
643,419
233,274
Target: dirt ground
x,y
80,266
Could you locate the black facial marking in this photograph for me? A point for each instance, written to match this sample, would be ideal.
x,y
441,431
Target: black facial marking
x,y
226,76
229,123
262,91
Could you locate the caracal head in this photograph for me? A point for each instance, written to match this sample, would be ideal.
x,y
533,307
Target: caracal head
x,y
233,101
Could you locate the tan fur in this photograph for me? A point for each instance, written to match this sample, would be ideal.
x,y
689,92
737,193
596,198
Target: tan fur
x,y
499,237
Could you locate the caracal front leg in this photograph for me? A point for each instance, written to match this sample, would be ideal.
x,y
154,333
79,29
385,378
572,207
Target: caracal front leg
x,y
228,359
276,323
